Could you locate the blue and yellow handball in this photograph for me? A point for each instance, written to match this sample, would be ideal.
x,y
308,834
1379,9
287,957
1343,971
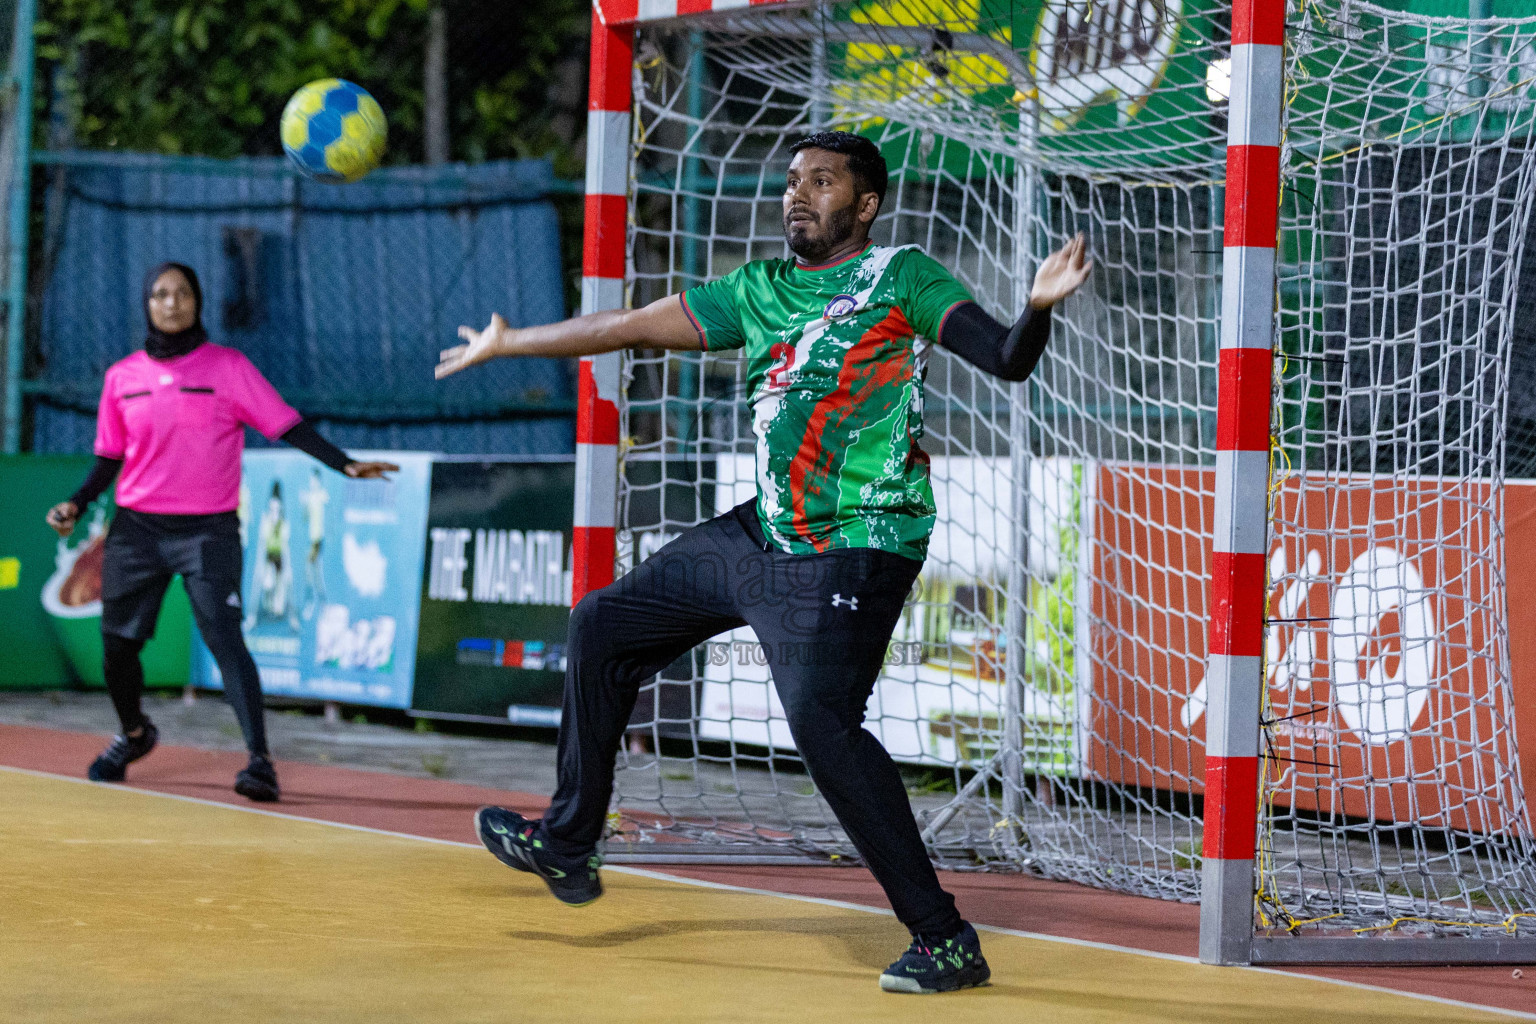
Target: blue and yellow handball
x,y
334,131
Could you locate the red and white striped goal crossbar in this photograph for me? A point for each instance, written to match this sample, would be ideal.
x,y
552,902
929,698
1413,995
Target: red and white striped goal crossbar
x,y
630,12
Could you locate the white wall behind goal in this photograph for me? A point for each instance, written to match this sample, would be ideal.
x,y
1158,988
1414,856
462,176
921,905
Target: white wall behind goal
x,y
927,705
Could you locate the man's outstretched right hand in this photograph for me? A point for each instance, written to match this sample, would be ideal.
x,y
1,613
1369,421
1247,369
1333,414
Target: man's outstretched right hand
x,y
479,346
662,324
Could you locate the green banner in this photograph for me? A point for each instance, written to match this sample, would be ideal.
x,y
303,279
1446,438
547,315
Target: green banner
x,y
50,589
1116,83
1124,85
496,594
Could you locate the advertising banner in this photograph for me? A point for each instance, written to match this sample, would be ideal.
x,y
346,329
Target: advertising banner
x,y
495,600
1150,558
1117,81
50,588
940,696
1375,654
332,574
1375,666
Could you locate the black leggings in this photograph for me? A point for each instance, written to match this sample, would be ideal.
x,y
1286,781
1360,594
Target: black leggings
x,y
143,553
824,621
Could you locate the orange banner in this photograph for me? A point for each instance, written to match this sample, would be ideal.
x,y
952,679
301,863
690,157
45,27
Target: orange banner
x,y
1378,656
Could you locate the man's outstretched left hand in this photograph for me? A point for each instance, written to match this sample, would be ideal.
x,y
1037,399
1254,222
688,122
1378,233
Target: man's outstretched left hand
x,y
1061,274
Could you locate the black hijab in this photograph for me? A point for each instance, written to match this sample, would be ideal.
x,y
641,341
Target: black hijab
x,y
159,344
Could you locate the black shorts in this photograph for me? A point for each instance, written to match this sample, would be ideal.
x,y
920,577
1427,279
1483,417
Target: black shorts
x,y
144,550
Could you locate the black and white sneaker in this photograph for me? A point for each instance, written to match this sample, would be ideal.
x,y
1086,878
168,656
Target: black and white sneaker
x,y
518,843
257,781
112,764
930,966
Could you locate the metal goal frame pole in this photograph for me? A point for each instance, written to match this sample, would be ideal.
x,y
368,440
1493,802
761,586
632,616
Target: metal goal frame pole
x,y
605,251
1026,259
1239,588
1235,672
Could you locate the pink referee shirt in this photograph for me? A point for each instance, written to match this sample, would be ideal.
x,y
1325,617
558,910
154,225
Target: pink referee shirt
x,y
178,426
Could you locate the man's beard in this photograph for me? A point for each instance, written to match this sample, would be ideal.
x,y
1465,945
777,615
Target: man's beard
x,y
817,250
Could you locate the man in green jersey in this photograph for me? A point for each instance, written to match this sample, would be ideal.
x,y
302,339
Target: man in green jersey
x,y
821,562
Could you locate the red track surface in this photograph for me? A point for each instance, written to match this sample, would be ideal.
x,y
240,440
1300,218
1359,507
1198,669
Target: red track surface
x,y
442,810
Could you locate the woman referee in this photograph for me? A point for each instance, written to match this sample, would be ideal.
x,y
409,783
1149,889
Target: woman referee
x,y
172,421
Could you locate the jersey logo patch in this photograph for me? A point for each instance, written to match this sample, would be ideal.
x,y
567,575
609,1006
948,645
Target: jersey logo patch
x,y
839,600
841,305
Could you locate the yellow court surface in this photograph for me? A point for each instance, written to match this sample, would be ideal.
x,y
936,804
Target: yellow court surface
x,y
120,905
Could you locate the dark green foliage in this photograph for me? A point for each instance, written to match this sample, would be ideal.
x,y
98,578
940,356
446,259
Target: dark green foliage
x,y
210,77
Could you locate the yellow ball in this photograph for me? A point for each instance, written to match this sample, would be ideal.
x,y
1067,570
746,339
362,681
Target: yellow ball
x,y
334,131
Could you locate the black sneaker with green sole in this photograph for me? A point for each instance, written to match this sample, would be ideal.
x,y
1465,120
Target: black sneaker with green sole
x,y
930,966
518,843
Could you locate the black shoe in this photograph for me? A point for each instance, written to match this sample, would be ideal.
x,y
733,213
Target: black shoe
x,y
938,966
258,781
518,843
114,761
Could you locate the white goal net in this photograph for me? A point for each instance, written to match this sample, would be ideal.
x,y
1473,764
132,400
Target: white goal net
x,y
1045,687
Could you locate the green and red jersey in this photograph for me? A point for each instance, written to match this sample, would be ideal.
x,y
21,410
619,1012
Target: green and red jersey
x,y
836,355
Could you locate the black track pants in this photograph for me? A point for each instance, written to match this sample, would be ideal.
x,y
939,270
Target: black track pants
x,y
825,622
125,678
143,552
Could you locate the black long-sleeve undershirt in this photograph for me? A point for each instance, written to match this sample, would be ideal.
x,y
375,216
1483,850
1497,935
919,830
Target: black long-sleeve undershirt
x,y
1007,352
103,472
302,435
